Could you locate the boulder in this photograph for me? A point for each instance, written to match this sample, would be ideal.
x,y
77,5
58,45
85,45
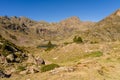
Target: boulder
x,y
23,72
40,61
10,58
30,70
10,48
3,59
18,54
31,59
18,60
3,75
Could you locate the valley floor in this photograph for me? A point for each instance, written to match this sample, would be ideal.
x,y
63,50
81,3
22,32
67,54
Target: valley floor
x,y
105,67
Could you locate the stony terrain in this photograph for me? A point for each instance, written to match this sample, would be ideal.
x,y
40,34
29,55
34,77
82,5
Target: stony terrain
x,y
68,50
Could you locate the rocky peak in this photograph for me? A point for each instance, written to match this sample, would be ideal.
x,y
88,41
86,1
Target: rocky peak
x,y
71,20
74,18
117,12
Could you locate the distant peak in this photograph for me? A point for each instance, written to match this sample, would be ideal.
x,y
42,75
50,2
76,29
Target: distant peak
x,y
73,18
117,12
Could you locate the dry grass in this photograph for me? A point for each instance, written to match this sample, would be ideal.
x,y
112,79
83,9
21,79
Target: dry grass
x,y
105,67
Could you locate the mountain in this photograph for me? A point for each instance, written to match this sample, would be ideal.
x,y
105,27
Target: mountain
x,y
70,49
107,29
15,29
26,32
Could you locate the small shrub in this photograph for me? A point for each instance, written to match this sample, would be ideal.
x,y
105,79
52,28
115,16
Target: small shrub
x,y
49,44
93,42
77,39
66,43
94,54
49,67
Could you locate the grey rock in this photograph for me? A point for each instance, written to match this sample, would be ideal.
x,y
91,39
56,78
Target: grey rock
x,y
31,59
3,75
40,61
3,60
10,58
17,60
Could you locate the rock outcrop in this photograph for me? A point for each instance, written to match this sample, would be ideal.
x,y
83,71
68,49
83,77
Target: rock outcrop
x,y
3,75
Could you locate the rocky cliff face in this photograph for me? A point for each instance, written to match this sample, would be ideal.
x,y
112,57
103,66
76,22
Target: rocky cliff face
x,y
31,33
28,32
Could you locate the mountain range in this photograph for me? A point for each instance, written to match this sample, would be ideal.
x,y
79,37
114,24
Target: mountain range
x,y
70,49
23,31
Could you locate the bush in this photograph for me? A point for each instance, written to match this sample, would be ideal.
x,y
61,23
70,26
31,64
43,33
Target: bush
x,y
77,39
93,42
94,54
49,67
49,44
66,43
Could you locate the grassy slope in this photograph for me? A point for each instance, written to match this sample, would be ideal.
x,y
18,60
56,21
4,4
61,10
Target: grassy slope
x,y
88,63
105,67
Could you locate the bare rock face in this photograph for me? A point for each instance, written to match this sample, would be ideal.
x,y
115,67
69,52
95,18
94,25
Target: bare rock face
x,y
33,60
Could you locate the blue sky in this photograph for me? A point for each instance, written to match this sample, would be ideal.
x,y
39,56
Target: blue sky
x,y
56,10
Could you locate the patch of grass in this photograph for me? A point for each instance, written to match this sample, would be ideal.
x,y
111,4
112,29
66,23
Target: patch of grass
x,y
66,43
49,67
21,68
94,54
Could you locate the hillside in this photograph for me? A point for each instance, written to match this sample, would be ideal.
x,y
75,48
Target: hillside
x,y
28,32
68,50
107,29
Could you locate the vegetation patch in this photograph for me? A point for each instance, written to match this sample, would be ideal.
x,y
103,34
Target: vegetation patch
x,y
93,42
94,54
21,68
49,67
77,39
66,43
